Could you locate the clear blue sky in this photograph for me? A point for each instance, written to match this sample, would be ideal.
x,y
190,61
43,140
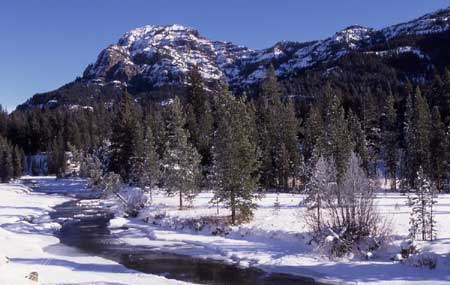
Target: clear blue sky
x,y
46,43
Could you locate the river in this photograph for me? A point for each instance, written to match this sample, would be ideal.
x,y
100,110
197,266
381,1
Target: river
x,y
86,228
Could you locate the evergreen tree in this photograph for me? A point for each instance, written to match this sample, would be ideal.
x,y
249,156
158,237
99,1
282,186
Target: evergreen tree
x,y
278,130
57,159
235,163
125,138
371,127
438,150
417,135
442,89
390,140
269,123
314,134
287,159
147,167
338,140
199,119
3,121
17,160
6,162
422,220
181,160
358,139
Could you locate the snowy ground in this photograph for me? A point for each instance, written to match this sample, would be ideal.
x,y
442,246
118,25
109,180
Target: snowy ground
x,y
26,239
278,240
274,240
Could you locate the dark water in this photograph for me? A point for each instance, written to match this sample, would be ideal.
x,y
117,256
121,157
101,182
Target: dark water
x,y
90,233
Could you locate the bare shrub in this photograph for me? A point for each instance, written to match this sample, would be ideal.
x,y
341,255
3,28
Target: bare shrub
x,y
423,259
350,223
134,200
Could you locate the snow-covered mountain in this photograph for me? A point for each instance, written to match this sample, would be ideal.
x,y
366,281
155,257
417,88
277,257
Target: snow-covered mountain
x,y
155,60
161,55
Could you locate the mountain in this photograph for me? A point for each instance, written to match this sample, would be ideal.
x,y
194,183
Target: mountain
x,y
156,57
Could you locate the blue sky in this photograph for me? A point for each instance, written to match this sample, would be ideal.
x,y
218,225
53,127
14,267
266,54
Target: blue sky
x,y
47,43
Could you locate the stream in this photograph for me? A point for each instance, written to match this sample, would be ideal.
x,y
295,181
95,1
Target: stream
x,y
86,228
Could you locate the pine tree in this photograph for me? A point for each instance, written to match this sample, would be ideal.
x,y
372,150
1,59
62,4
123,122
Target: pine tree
x,y
125,138
235,163
57,156
422,220
371,127
269,123
6,162
417,135
17,160
147,167
181,160
438,150
3,121
278,130
199,119
442,88
390,140
359,139
314,134
338,140
408,135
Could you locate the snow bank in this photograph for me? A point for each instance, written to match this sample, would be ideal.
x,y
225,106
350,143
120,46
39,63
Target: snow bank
x,y
278,240
27,244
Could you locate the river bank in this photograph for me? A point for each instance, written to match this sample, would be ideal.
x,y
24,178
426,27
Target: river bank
x,y
27,244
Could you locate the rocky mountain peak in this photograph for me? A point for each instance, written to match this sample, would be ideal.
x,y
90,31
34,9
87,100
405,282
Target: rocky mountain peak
x,y
162,55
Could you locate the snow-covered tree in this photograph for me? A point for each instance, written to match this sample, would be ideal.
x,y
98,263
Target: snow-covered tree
x,y
422,221
318,189
146,166
181,160
349,218
351,203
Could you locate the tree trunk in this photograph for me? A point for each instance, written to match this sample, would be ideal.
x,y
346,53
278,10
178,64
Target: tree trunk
x,y
181,200
233,208
318,215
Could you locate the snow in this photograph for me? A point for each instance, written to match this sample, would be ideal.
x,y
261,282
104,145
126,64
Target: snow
x,y
276,240
26,240
279,240
400,50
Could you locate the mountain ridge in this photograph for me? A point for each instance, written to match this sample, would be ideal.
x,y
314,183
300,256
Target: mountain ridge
x,y
154,56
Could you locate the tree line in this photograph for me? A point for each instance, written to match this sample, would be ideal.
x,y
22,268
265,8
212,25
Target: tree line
x,y
240,145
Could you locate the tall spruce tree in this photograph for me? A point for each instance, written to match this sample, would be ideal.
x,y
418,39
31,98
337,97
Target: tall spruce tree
x,y
422,221
181,160
314,133
17,160
199,118
442,88
234,154
338,143
6,162
268,107
417,136
359,139
125,138
390,140
57,159
438,150
147,167
278,130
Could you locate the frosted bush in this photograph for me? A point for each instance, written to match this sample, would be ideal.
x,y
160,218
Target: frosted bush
x,y
135,200
426,259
